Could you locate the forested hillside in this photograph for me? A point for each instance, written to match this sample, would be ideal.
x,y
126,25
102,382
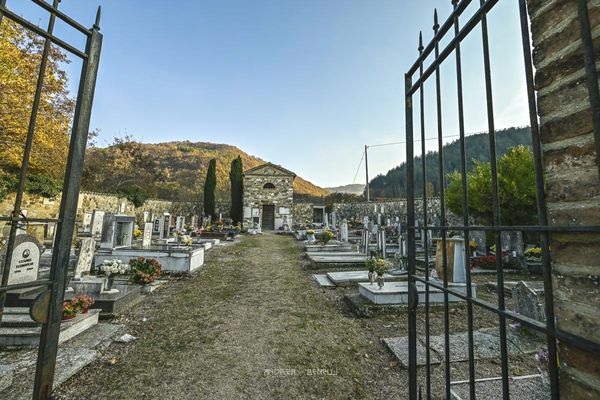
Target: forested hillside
x,y
174,170
393,184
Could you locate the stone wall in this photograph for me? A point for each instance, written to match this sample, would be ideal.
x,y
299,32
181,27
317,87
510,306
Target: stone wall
x,y
572,182
41,207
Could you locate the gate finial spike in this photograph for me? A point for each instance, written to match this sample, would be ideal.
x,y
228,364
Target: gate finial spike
x,y
436,25
420,41
98,16
454,3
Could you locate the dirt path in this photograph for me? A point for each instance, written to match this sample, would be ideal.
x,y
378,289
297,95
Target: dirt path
x,y
250,325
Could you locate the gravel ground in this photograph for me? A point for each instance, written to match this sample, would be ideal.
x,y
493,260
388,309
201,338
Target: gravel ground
x,y
250,325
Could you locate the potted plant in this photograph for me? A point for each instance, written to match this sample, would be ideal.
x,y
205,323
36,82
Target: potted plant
x,y
69,311
381,267
473,245
326,236
144,270
310,236
82,302
371,264
111,268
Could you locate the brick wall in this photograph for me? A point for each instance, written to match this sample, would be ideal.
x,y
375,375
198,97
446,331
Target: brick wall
x,y
572,181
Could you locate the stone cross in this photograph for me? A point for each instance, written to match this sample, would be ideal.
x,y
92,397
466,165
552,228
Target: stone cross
x,y
86,256
25,260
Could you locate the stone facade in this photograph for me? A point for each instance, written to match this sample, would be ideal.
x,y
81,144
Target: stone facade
x,y
572,182
268,196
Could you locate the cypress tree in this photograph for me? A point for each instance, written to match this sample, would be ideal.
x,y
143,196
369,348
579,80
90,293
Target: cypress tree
x,y
236,176
209,189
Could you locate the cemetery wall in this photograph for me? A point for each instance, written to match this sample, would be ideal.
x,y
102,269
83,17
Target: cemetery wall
x,y
303,213
572,181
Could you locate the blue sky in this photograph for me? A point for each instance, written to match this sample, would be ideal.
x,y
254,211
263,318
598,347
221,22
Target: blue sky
x,y
302,83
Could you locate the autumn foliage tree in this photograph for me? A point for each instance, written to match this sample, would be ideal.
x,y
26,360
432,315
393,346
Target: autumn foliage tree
x,y
20,55
236,177
209,188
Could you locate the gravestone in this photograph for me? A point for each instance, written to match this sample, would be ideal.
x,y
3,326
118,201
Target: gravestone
x,y
97,223
147,238
117,231
122,208
527,302
156,226
180,224
455,257
344,231
86,256
86,224
145,216
166,226
25,260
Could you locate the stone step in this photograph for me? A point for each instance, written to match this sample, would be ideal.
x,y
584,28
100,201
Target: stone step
x,y
17,372
16,320
28,336
323,281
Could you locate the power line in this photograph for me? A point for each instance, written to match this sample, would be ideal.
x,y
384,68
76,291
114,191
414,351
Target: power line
x,y
416,140
358,169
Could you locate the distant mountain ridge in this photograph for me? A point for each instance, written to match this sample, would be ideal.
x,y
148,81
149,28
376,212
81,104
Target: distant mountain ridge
x,y
353,188
477,147
169,170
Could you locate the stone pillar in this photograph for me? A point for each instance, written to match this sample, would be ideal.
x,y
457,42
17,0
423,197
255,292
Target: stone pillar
x,y
572,181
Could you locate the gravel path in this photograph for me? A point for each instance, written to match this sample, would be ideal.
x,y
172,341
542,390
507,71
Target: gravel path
x,y
250,325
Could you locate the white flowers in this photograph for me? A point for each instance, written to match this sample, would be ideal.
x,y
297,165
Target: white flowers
x,y
111,267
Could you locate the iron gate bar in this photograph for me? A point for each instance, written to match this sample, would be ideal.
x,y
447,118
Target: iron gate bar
x,y
10,245
64,17
540,200
410,219
495,199
524,228
469,26
42,282
46,360
441,33
534,324
591,72
438,95
425,243
463,169
39,31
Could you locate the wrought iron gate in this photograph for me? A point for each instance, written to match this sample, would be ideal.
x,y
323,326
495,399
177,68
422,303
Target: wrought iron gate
x,y
51,303
415,79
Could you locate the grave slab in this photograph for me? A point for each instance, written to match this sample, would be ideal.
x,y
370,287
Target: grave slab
x,y
350,277
397,293
323,280
399,347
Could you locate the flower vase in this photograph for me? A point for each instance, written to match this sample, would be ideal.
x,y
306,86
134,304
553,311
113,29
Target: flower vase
x,y
380,281
68,317
111,282
371,277
85,310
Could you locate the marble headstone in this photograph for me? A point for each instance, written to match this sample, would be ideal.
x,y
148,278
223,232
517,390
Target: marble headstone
x,y
25,260
147,238
86,257
87,222
97,223
344,231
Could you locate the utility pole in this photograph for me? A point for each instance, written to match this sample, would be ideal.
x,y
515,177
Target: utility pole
x,y
367,173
